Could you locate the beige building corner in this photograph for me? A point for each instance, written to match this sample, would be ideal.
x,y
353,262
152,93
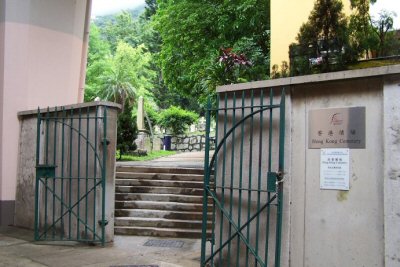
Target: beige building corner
x,y
287,16
43,46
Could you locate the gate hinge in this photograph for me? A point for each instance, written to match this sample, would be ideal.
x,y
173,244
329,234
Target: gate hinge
x,y
107,142
101,223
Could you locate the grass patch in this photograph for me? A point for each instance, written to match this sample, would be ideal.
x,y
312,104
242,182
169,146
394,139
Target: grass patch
x,y
149,156
372,64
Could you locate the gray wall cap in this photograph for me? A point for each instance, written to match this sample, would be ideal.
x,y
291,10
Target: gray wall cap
x,y
315,78
73,106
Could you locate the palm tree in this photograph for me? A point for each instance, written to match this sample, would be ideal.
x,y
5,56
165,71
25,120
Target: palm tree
x,y
118,88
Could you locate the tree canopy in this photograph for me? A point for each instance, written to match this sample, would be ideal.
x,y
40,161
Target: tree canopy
x,y
195,32
326,32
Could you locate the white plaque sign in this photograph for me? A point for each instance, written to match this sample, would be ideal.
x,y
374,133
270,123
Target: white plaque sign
x,y
335,168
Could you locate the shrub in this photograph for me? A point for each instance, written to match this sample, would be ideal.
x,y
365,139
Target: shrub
x,y
176,120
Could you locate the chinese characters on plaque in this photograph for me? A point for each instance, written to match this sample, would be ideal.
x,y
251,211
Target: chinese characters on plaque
x,y
335,168
337,128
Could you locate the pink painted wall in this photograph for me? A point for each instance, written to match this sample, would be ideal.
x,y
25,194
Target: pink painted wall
x,y
43,50
1,93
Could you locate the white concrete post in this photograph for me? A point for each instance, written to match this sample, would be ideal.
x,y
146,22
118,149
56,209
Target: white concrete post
x,y
391,130
140,114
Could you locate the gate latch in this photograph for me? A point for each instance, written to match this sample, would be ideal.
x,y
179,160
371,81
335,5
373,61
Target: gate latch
x,y
105,141
45,170
273,178
102,223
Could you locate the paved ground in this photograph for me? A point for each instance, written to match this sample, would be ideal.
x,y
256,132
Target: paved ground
x,y
17,248
185,160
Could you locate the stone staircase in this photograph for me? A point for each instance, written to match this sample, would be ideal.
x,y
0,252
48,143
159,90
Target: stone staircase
x,y
159,201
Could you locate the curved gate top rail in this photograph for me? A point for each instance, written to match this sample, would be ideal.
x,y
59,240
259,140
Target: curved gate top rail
x,y
71,154
244,180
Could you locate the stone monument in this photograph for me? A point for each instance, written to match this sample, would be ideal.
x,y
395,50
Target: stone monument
x,y
142,141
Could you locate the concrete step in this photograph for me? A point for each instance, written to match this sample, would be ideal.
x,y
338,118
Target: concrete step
x,y
156,205
159,201
179,215
159,232
159,183
159,223
160,176
159,190
159,197
149,169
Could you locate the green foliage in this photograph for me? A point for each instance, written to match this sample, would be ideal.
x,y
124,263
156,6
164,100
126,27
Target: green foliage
x,y
126,131
176,120
383,27
362,36
152,114
150,9
120,78
373,63
123,28
97,62
282,73
323,37
102,21
193,33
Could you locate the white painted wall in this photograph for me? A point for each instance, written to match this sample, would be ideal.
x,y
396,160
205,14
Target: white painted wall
x,y
330,228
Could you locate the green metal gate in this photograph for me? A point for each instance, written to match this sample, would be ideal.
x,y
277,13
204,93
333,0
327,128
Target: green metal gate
x,y
71,155
244,180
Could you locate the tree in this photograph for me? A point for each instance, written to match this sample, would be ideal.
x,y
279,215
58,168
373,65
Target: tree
x,y
362,36
326,32
193,32
123,28
129,76
97,62
150,8
382,28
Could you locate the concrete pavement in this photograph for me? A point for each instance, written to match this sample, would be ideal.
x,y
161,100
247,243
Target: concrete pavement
x,y
184,160
17,248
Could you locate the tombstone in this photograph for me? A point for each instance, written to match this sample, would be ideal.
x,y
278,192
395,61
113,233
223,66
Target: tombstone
x,y
142,141
140,115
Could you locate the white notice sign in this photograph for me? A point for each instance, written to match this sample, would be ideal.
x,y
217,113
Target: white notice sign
x,y
334,168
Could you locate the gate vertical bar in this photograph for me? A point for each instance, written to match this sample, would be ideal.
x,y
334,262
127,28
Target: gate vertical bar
x,y
46,178
206,185
103,177
87,171
64,115
79,171
95,171
250,174
54,163
215,178
37,178
240,179
271,102
70,173
232,176
223,178
260,144
280,180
